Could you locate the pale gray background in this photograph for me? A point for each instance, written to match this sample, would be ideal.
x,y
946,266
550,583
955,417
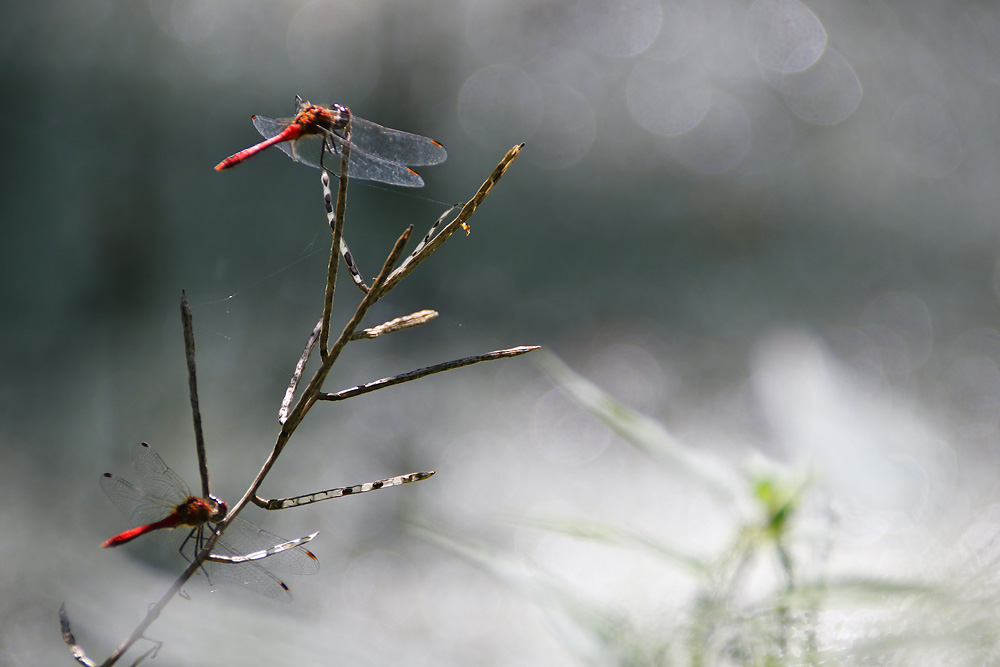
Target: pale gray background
x,y
771,225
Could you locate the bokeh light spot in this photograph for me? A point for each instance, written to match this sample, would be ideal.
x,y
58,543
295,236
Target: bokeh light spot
x,y
719,142
567,129
682,30
499,105
668,98
825,94
618,27
784,35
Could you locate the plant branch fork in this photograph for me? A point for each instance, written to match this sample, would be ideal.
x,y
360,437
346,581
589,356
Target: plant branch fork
x,y
293,410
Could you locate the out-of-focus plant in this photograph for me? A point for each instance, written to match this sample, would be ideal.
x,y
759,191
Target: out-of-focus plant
x,y
767,595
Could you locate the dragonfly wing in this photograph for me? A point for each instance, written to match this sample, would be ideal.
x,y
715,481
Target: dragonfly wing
x,y
159,492
243,538
363,166
247,574
367,162
395,145
156,479
270,127
250,575
366,167
138,506
307,149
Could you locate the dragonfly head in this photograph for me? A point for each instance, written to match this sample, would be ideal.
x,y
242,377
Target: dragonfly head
x,y
342,113
219,509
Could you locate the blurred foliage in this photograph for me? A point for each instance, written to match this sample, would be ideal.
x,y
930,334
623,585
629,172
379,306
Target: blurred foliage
x,y
765,597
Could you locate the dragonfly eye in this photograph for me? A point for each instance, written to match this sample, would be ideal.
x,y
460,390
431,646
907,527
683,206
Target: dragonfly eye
x,y
343,115
220,509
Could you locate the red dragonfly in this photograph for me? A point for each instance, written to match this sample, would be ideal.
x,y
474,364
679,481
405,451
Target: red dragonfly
x,y
163,503
317,136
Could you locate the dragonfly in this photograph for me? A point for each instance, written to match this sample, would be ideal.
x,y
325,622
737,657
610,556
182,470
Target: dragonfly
x,y
318,136
163,504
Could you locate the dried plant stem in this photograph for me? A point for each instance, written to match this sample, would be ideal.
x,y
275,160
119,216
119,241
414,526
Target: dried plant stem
x,y
300,367
424,372
308,397
154,609
264,553
67,634
430,234
344,250
290,416
398,324
460,220
187,323
338,238
340,491
404,322
383,283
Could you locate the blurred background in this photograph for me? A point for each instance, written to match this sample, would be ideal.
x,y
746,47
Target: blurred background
x,y
768,225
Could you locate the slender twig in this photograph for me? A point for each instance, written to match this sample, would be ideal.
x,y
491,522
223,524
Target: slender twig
x,y
430,233
338,236
460,220
308,397
424,372
356,276
187,323
264,553
154,611
377,290
344,250
291,416
340,491
150,653
77,652
156,608
398,324
67,634
380,286
297,375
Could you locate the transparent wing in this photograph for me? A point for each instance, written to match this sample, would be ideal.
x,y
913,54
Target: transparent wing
x,y
395,145
249,575
255,578
366,167
363,164
242,538
137,505
270,127
159,493
156,479
307,149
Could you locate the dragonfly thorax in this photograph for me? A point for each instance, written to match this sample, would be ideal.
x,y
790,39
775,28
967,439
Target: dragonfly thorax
x,y
196,511
313,118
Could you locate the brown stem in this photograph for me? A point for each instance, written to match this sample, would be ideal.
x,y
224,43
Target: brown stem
x,y
338,234
187,323
424,372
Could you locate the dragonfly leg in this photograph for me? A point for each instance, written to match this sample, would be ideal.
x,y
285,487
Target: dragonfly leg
x,y
189,538
197,536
